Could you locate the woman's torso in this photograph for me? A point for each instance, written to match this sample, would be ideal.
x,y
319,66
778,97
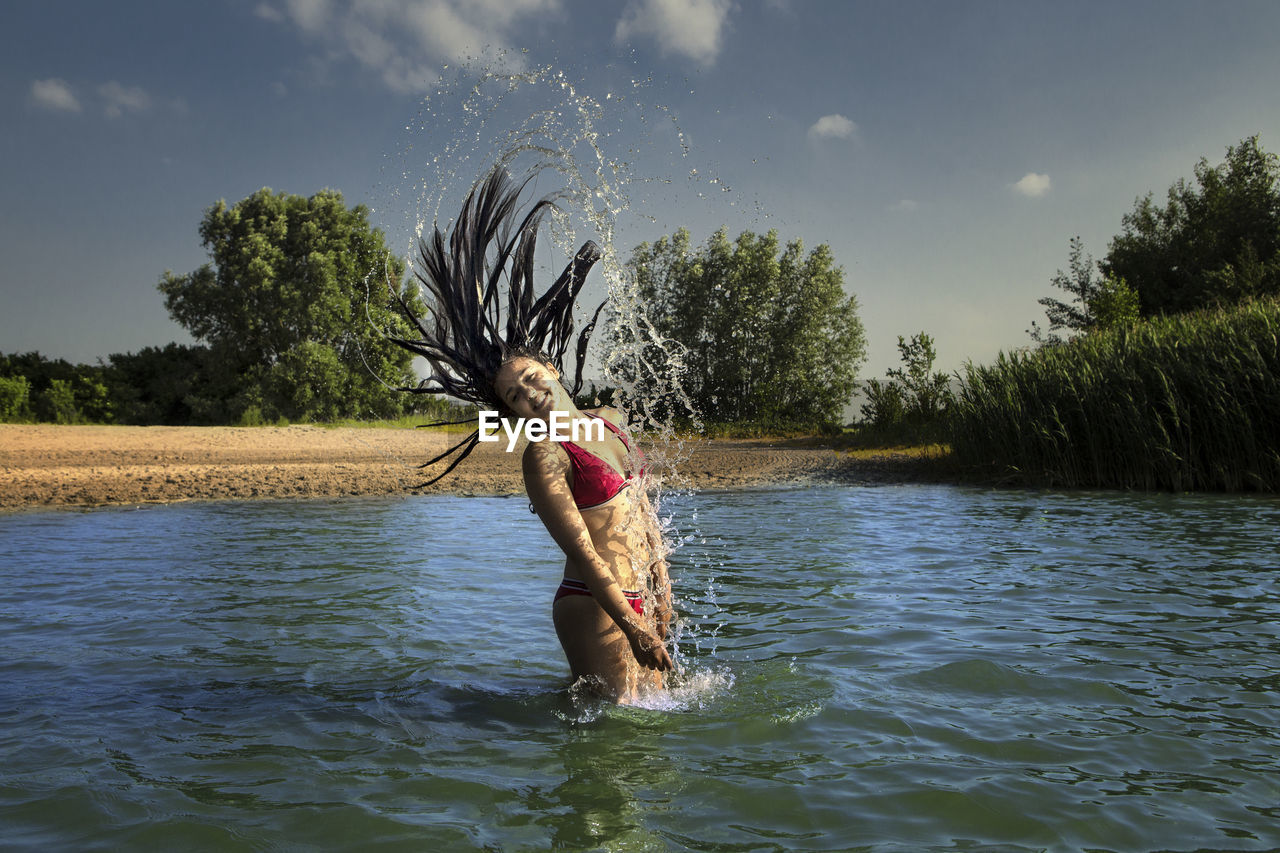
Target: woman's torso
x,y
618,533
617,525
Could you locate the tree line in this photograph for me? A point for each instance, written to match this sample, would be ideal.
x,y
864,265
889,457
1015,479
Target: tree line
x,y
291,316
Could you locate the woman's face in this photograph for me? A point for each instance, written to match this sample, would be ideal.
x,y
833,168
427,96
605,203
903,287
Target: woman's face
x,y
530,388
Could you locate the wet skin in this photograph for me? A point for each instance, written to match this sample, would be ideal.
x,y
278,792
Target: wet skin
x,y
610,547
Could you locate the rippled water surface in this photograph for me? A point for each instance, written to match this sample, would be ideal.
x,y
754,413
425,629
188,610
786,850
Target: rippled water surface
x,y
890,668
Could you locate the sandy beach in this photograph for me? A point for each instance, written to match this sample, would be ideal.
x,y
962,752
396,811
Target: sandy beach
x,y
44,465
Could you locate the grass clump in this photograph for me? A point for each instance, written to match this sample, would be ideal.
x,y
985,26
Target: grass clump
x,y
1189,402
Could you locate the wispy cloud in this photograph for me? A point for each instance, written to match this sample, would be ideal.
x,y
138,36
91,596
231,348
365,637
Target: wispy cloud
x,y
692,28
311,15
118,99
405,41
268,12
54,94
834,126
115,98
905,205
1033,185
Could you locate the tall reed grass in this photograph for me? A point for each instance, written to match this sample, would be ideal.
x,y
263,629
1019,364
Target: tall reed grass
x,y
1190,402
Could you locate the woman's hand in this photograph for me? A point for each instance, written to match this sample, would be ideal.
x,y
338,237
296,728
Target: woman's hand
x,y
649,650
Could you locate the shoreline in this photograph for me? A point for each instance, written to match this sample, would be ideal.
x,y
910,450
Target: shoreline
x,y
46,466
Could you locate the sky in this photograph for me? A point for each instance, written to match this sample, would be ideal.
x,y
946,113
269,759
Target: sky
x,y
947,152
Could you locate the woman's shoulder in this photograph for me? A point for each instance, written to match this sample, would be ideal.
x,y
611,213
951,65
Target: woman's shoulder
x,y
541,451
544,456
543,464
609,413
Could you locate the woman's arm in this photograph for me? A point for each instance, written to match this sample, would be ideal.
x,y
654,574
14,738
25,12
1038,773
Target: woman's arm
x,y
548,489
660,579
662,609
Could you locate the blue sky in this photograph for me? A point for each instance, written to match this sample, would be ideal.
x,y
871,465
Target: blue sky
x,y
947,151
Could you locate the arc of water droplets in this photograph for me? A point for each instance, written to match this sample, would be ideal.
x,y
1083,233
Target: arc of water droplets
x,y
563,137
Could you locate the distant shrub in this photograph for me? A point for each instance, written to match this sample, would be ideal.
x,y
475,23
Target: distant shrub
x,y
57,403
252,416
15,399
885,406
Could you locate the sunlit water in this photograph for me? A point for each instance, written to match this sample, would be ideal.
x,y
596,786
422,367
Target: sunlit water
x,y
891,668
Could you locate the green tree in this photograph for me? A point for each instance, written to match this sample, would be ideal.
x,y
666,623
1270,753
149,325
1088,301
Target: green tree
x,y
1080,282
766,332
926,394
161,385
57,403
1114,305
38,369
886,406
15,399
1096,301
1215,241
295,311
59,391
93,395
913,393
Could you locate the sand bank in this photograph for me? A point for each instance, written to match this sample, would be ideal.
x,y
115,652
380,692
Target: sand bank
x,y
48,466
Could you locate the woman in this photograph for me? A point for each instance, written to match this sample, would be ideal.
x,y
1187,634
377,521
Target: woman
x,y
492,343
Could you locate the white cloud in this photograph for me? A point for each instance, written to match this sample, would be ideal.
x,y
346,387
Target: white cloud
x,y
311,15
905,205
689,27
404,41
369,47
442,31
55,94
834,126
1033,185
118,99
507,11
268,12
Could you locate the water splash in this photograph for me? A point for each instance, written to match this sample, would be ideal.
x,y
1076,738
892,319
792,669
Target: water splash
x,y
693,689
583,148
687,691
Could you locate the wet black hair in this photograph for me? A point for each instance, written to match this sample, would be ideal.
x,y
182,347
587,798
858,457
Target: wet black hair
x,y
487,264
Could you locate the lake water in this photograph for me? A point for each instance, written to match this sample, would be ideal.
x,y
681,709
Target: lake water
x,y
888,668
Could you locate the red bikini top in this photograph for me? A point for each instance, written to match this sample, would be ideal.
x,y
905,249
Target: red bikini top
x,y
594,480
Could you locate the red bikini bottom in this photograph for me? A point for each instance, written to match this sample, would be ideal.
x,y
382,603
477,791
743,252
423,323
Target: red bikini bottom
x,y
568,586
